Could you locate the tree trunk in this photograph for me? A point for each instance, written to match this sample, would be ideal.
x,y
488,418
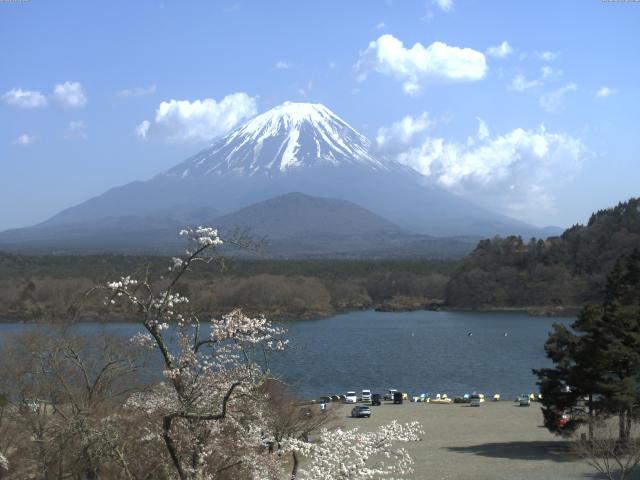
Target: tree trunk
x,y
624,427
294,470
591,413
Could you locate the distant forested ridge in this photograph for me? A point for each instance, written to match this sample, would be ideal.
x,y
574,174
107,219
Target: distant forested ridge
x,y
49,287
565,271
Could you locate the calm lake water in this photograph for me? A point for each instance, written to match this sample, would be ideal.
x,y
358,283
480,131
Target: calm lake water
x,y
417,352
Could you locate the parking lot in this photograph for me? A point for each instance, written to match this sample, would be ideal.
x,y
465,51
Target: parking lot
x,y
498,440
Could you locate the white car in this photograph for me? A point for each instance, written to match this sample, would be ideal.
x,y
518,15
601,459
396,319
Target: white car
x,y
351,397
366,395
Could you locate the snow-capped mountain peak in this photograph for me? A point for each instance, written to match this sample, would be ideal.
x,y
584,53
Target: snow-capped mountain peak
x,y
286,138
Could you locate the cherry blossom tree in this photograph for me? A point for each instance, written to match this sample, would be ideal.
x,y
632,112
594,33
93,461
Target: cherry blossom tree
x,y
209,405
211,415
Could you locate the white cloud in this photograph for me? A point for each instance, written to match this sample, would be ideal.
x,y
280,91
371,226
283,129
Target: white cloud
x,y
412,66
23,140
501,51
69,95
547,56
400,134
549,73
304,91
483,130
552,101
381,26
282,65
137,91
604,92
76,129
24,98
142,129
182,120
520,83
516,173
444,5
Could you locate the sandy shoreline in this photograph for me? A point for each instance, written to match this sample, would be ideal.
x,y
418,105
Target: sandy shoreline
x,y
96,317
498,440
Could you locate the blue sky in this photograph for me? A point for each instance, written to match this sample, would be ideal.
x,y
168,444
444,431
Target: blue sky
x,y
530,107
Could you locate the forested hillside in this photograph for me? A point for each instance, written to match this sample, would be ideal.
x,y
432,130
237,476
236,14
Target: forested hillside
x,y
563,271
52,287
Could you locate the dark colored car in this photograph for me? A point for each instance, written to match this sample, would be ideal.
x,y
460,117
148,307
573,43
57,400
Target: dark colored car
x,y
376,399
360,411
397,398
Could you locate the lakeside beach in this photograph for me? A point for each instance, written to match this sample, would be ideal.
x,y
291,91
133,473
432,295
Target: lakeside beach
x,y
498,440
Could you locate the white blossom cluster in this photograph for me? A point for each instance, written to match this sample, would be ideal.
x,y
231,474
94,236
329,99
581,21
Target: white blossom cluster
x,y
177,263
247,330
202,236
355,455
143,339
124,282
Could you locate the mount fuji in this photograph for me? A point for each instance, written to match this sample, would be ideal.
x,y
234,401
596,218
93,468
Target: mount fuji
x,y
294,147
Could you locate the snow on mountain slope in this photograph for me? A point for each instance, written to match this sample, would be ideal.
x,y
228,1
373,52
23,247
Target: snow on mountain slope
x,y
284,139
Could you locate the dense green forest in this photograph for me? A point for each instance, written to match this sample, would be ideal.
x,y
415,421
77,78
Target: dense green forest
x,y
565,271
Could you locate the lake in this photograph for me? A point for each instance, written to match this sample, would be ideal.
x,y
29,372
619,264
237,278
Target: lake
x,y
422,351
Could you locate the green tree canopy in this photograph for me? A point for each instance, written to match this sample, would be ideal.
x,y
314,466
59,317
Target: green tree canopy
x,y
597,360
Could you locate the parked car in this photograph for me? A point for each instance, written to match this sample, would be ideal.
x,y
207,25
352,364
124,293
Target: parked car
x,y
376,399
351,397
562,421
475,400
360,411
389,395
366,395
397,398
524,400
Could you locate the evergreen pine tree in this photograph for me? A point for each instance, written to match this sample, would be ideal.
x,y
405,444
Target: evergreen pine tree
x,y
597,361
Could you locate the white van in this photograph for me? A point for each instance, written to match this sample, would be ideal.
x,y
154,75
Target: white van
x,y
351,397
475,400
366,395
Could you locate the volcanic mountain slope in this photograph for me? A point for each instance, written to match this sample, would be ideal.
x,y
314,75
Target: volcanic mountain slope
x,y
299,215
293,225
295,147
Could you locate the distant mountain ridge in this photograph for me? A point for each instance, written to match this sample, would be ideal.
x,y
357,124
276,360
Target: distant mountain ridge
x,y
298,215
293,225
294,147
